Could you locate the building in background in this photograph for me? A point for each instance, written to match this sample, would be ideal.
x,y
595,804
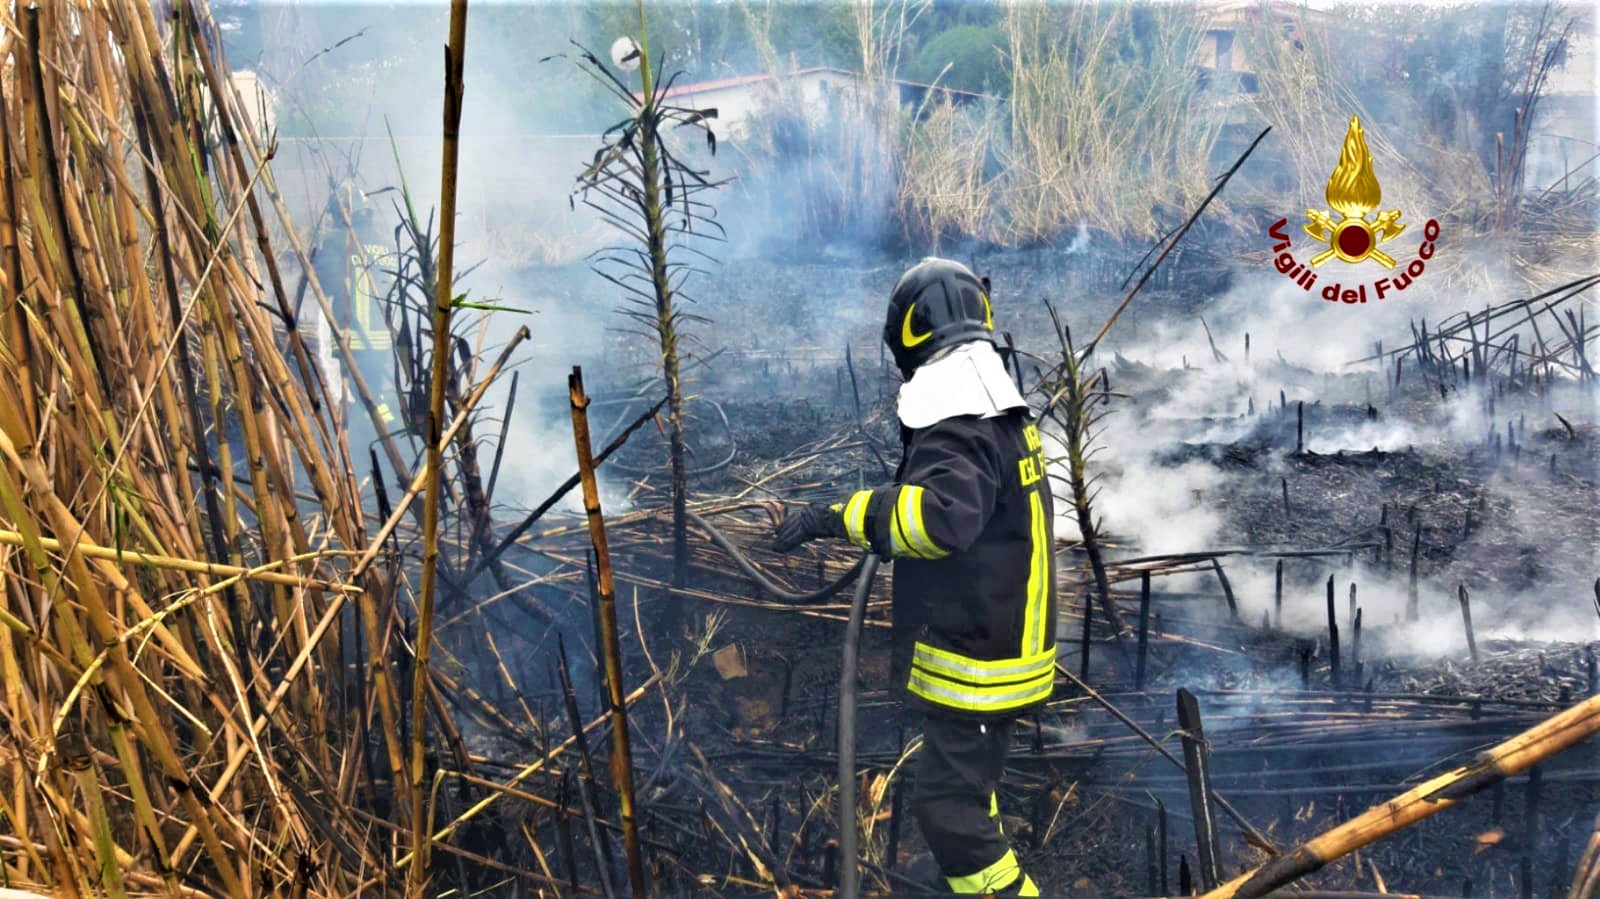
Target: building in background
x,y
742,100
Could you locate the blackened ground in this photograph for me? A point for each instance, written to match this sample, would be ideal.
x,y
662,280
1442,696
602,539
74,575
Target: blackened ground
x,y
1508,517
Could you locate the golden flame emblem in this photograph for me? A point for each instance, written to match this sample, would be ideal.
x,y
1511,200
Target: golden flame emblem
x,y
1353,191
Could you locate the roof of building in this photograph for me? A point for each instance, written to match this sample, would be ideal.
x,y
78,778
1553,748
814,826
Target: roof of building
x,y
702,87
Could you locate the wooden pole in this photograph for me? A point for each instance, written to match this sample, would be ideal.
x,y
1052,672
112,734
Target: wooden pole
x,y
1531,747
622,754
454,62
1466,619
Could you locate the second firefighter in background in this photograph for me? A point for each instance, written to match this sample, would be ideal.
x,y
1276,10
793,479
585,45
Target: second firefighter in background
x,y
968,521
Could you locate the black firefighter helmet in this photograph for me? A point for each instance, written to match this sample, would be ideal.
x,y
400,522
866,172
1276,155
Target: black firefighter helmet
x,y
937,303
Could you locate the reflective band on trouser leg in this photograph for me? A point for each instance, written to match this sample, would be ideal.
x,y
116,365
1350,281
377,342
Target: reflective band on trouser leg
x,y
1039,565
855,518
997,876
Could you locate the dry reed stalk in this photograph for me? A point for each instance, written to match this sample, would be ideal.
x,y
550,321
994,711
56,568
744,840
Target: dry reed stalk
x,y
1103,127
455,60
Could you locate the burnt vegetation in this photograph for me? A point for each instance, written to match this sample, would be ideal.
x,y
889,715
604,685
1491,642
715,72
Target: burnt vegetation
x,y
1327,575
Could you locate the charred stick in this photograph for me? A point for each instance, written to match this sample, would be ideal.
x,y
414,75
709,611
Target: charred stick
x,y
1161,825
892,850
1334,670
569,854
1197,764
1412,599
1300,427
855,390
1466,619
1355,644
1151,882
588,791
776,825
500,445
1227,590
1144,631
1277,597
1530,830
1221,183
1083,643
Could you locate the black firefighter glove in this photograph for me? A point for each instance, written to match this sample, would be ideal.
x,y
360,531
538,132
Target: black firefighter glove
x,y
808,523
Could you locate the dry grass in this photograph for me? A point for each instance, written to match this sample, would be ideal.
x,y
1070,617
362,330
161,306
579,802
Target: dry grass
x,y
1101,129
944,190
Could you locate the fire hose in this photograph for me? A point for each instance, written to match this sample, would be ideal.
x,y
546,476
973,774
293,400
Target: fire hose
x,y
867,566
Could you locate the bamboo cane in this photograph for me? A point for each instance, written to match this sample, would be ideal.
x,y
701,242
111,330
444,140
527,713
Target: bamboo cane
x,y
622,760
210,569
455,60
1543,741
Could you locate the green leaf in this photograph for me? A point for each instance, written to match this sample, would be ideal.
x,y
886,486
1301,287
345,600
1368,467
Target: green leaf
x,y
491,307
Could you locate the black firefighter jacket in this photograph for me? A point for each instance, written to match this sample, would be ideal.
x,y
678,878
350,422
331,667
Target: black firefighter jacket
x,y
969,523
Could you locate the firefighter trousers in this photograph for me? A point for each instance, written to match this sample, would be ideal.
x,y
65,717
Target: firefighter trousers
x,y
954,802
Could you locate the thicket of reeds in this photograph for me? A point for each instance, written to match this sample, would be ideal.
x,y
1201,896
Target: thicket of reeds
x,y
202,637
1109,122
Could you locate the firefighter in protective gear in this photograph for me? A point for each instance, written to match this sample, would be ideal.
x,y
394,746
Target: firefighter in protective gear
x,y
968,521
351,264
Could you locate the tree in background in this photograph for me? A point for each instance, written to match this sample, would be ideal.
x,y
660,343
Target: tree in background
x,y
974,54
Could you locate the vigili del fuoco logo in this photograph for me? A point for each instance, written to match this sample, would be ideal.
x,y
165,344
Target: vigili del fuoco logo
x,y
1354,193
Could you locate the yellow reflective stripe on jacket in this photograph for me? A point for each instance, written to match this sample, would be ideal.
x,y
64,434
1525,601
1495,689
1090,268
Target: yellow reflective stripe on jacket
x,y
855,518
954,681
366,334
1039,571
997,876
907,530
